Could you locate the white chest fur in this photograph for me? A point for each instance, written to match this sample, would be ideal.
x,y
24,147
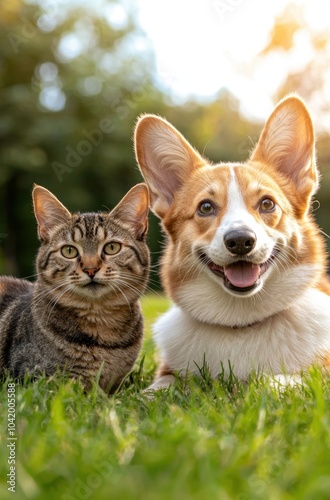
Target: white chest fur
x,y
284,343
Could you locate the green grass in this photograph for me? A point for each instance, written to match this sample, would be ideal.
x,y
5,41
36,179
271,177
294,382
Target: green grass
x,y
199,440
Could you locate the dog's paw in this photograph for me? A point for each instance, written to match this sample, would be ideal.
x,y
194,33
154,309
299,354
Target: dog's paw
x,y
281,382
161,383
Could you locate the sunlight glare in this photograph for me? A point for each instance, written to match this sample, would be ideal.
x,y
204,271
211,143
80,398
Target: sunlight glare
x,y
201,49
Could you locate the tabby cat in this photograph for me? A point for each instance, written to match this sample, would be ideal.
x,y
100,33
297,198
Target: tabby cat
x,y
82,314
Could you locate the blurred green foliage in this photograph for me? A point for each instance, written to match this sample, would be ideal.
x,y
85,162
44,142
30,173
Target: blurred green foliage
x,y
72,84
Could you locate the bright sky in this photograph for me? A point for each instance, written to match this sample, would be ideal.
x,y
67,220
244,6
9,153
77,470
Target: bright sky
x,y
204,45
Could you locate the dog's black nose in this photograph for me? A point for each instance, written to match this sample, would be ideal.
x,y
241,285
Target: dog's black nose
x,y
240,241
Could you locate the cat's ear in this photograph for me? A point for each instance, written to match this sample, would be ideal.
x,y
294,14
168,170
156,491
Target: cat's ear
x,y
165,159
49,212
133,210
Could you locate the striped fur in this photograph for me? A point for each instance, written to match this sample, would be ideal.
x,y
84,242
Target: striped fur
x,y
82,315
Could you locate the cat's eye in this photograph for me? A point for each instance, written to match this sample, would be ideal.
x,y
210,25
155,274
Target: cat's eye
x,y
267,205
206,208
69,252
112,248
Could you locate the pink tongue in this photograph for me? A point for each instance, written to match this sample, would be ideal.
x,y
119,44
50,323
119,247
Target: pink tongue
x,y
242,274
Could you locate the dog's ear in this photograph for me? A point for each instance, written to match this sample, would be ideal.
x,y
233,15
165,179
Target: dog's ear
x,y
165,158
287,143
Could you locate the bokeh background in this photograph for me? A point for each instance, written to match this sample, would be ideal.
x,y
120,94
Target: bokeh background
x,y
75,74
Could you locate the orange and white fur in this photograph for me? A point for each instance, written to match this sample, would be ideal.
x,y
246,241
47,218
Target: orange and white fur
x,y
245,263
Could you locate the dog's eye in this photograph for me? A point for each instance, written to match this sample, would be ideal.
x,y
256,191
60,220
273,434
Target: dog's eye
x,y
267,205
206,208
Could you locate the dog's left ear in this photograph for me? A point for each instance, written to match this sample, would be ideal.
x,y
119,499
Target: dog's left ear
x,y
165,158
287,143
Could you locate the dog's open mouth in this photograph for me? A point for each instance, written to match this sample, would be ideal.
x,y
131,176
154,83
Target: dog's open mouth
x,y
241,276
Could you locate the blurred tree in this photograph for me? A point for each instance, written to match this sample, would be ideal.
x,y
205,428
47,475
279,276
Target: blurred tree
x,y
71,89
70,93
285,27
72,82
216,130
293,34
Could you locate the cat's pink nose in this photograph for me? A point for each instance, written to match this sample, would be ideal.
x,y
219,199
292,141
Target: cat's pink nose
x,y
91,271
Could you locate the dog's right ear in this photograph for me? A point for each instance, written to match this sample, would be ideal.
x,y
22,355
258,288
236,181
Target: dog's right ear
x,y
165,158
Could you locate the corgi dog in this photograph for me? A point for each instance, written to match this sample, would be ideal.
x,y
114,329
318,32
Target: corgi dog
x,y
245,262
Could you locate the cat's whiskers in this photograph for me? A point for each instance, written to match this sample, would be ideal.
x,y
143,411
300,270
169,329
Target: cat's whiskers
x,y
56,299
128,286
116,287
128,278
31,276
42,295
143,280
117,276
